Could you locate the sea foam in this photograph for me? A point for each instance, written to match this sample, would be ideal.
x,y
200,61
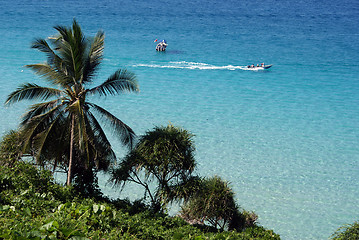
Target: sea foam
x,y
194,65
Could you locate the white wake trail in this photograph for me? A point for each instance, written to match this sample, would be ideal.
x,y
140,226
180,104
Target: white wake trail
x,y
193,65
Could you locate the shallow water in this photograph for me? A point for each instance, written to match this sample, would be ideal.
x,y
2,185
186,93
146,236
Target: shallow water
x,y
286,138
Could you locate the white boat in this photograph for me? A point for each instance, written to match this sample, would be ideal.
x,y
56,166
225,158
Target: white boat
x,y
267,66
262,67
161,46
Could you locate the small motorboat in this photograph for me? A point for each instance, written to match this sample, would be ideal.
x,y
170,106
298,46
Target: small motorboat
x,y
267,66
259,67
161,46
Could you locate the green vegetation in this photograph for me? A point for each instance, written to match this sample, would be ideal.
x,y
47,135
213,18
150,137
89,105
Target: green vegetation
x,y
33,207
64,131
164,154
348,232
214,203
10,148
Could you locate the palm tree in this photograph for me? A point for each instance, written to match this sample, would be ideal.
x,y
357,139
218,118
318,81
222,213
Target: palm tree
x,y
64,129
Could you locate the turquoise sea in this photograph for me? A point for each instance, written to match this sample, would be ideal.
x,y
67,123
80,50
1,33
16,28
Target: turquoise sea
x,y
287,138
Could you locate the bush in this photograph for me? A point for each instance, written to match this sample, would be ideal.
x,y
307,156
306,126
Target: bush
x,y
348,232
214,203
10,148
25,185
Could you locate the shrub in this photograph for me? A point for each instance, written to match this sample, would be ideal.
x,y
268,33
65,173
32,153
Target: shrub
x,y
348,232
214,203
10,148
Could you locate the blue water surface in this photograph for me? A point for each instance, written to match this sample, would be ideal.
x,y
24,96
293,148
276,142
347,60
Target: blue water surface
x,y
286,138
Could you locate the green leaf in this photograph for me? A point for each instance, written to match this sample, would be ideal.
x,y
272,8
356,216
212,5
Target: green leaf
x,y
67,232
33,235
95,208
55,224
5,208
47,226
27,212
178,236
72,233
60,207
102,208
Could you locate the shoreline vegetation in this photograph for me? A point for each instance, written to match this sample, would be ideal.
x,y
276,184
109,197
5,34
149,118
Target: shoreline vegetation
x,y
62,133
32,206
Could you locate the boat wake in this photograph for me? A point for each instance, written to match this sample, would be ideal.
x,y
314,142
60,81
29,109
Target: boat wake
x,y
195,65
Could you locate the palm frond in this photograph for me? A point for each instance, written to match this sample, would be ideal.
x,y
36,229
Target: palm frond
x,y
43,46
63,33
98,140
38,109
70,94
99,136
54,76
55,149
72,61
32,91
94,58
120,81
79,39
63,49
78,45
38,124
75,110
42,138
122,131
71,46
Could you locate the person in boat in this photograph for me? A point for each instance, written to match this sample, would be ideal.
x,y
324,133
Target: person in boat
x,y
257,65
252,66
161,46
262,64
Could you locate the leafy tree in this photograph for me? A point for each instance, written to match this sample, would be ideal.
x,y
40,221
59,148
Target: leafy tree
x,y
347,232
63,130
10,148
214,203
165,155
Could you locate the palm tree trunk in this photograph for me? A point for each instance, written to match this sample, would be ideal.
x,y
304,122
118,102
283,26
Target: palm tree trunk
x,y
69,173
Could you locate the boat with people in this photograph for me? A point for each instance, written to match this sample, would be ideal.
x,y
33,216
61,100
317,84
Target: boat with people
x,y
161,46
261,66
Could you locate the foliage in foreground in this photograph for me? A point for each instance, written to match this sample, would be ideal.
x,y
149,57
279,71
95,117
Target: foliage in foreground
x,y
214,203
348,232
33,207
